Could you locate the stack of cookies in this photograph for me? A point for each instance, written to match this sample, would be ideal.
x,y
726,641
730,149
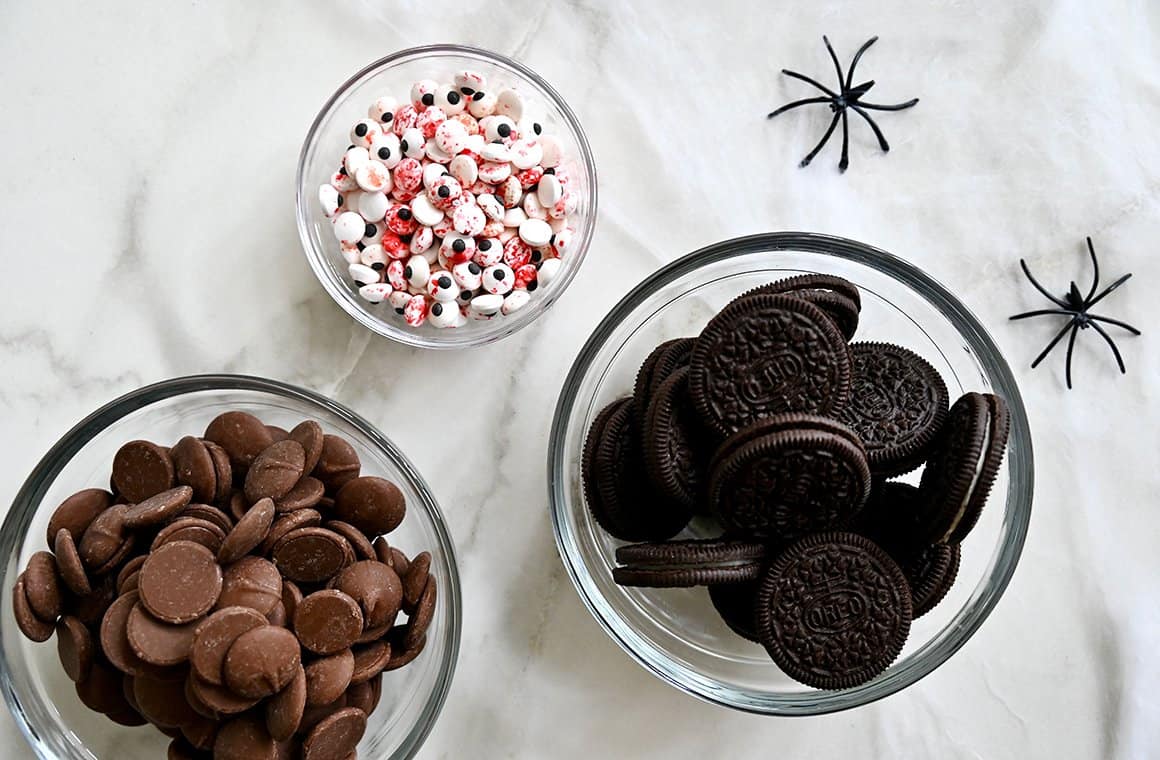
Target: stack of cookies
x,y
235,590
776,431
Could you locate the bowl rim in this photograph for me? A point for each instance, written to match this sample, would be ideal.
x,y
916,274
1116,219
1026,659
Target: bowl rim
x,y
503,327
31,493
1019,462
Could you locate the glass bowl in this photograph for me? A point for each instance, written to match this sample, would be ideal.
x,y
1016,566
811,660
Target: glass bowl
x,y
40,696
676,633
329,136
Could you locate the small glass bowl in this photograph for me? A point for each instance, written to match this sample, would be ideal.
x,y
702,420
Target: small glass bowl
x,y
41,697
329,136
676,633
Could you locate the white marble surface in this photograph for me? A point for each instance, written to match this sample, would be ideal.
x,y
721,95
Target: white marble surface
x,y
146,226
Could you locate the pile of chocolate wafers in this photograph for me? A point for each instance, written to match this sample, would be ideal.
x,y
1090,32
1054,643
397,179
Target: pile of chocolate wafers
x,y
781,435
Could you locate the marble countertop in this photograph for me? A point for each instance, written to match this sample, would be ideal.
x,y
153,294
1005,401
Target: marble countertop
x,y
147,231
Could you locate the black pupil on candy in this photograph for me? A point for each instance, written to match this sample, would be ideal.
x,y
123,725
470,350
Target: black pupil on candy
x,y
498,274
504,130
387,117
532,286
360,245
360,284
400,311
467,90
370,230
459,246
361,130
465,295
384,153
473,267
485,245
444,191
536,256
453,98
378,266
437,309
428,99
550,170
537,128
444,282
339,200
407,273
403,145
405,214
478,95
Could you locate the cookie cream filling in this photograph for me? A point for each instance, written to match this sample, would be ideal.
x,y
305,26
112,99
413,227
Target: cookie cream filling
x,y
975,479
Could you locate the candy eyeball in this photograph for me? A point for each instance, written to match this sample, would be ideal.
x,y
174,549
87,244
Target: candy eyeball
x,y
510,104
450,99
373,177
457,248
548,271
469,81
444,191
499,128
422,240
400,219
423,94
451,137
468,275
486,305
429,120
482,104
372,233
386,149
441,286
498,279
417,271
363,275
374,257
405,118
354,159
398,299
329,199
383,110
444,314
375,292
349,227
364,132
530,128
373,206
515,301
412,143
488,252
464,169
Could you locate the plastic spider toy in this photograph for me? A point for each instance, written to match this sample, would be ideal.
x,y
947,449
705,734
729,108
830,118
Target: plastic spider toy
x,y
1077,306
849,97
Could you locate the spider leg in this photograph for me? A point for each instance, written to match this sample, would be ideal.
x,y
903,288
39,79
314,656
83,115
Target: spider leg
x,y
1115,322
814,82
797,103
845,162
1107,291
1043,354
1095,270
1040,288
885,146
896,107
1116,351
834,58
854,93
833,123
857,57
1045,312
1070,346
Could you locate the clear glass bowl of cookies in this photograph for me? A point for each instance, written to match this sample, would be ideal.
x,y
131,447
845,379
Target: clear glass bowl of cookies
x,y
675,632
40,696
543,109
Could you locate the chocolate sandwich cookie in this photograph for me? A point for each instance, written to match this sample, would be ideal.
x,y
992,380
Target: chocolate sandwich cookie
x,y
892,518
656,367
789,475
811,282
931,573
960,472
670,442
764,355
735,603
625,503
588,465
833,610
676,564
898,403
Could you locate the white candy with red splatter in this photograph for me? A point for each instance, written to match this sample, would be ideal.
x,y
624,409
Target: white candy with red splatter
x,y
452,202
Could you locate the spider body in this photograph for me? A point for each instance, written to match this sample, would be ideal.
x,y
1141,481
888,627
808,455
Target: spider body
x,y
1077,307
847,97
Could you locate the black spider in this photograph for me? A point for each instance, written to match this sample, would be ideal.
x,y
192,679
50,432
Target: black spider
x,y
849,97
1076,306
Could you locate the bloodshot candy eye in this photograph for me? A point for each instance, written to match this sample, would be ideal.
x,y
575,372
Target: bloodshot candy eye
x,y
451,202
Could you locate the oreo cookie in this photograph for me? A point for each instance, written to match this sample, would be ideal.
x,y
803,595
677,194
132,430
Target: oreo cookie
x,y
959,475
837,297
656,368
735,603
671,443
789,475
764,355
833,610
898,404
620,500
679,564
931,574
